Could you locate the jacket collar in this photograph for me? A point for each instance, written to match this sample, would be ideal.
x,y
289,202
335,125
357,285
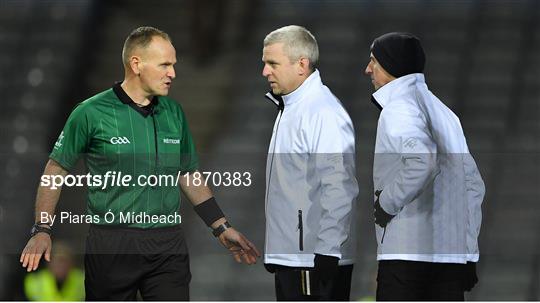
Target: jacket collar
x,y
383,96
296,95
276,99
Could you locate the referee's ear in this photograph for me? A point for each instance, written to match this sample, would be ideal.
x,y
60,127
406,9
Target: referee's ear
x,y
135,64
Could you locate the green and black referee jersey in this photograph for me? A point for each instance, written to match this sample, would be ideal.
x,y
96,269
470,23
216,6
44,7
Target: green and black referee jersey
x,y
113,134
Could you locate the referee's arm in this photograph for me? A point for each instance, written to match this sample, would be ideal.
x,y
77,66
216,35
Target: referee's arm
x,y
46,201
202,198
197,195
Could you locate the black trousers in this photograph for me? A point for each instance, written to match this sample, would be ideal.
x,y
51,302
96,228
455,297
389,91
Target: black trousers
x,y
400,280
291,284
121,261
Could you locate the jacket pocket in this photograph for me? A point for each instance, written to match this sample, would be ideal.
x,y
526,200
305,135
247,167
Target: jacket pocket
x,y
300,231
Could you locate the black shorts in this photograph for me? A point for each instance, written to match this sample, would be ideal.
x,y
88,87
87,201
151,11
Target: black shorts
x,y
121,261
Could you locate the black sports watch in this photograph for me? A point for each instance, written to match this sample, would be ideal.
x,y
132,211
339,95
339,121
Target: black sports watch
x,y
220,229
36,228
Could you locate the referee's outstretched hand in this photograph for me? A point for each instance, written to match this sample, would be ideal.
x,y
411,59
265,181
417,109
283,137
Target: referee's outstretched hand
x,y
241,248
35,248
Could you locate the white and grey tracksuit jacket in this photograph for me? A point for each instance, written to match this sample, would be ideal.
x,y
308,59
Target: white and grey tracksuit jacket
x,y
428,178
310,179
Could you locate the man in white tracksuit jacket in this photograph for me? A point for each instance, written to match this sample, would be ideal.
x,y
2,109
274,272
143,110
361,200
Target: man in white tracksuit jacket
x,y
428,190
310,175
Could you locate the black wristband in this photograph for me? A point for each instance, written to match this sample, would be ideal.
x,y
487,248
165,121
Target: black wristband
x,y
209,211
220,229
38,229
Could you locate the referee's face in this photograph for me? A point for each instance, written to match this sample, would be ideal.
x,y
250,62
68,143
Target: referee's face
x,y
157,68
379,76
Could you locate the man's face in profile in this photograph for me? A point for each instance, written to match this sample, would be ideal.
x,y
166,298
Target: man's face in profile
x,y
157,67
283,74
379,76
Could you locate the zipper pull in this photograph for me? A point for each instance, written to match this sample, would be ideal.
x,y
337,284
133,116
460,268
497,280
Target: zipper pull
x,y
384,233
300,231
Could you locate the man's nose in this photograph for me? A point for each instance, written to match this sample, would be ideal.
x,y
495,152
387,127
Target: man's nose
x,y
368,70
171,73
266,71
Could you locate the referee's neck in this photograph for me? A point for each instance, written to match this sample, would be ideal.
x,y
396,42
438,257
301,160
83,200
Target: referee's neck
x,y
135,92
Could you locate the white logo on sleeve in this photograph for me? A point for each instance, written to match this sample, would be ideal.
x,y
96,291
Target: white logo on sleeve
x,y
120,140
58,143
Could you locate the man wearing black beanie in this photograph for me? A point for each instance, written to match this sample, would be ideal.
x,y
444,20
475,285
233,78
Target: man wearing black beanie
x,y
428,189
399,54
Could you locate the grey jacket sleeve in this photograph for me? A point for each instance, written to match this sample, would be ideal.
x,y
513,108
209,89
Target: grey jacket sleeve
x,y
332,145
475,191
409,134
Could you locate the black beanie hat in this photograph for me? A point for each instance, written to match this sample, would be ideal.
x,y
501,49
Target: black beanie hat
x,y
399,54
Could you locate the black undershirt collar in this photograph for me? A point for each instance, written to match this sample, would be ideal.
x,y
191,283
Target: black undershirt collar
x,y
374,101
276,99
145,111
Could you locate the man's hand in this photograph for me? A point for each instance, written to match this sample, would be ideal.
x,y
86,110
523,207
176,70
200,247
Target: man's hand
x,y
240,247
34,250
470,277
381,217
46,201
326,266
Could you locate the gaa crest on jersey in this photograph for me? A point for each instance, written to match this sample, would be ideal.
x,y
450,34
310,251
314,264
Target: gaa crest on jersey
x,y
119,140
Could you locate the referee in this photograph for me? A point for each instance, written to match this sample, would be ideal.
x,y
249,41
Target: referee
x,y
134,129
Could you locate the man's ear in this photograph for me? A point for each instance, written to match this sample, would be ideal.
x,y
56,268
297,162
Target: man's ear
x,y
303,66
135,64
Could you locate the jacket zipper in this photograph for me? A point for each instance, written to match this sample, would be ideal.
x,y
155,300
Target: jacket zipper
x,y
300,231
280,114
281,108
384,233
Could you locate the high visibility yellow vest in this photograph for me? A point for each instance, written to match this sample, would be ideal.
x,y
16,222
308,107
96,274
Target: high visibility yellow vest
x,y
41,286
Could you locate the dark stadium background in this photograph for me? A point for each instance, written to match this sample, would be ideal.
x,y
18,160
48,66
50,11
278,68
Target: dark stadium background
x,y
483,60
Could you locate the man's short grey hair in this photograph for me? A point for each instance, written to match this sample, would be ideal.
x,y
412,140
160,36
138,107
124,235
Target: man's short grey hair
x,y
141,37
297,42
